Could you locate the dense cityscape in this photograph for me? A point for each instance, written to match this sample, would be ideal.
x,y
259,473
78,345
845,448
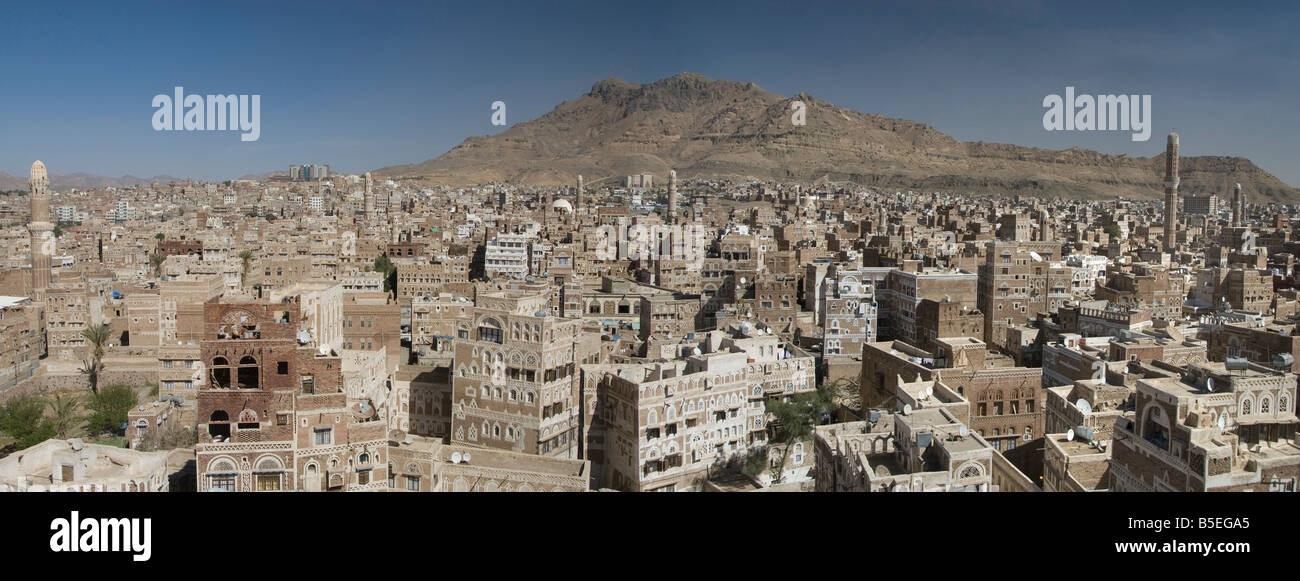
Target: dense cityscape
x,y
319,331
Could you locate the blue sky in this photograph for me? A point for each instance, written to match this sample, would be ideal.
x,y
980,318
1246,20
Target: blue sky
x,y
364,85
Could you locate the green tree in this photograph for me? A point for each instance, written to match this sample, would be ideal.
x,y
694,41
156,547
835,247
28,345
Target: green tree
x,y
793,420
58,231
386,266
23,420
160,236
64,408
156,261
245,259
1114,232
108,408
97,336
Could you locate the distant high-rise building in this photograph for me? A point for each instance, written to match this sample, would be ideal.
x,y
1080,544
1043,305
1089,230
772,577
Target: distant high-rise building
x,y
1201,205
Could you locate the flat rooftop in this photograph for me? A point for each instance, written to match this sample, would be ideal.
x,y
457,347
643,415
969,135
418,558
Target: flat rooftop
x,y
1074,447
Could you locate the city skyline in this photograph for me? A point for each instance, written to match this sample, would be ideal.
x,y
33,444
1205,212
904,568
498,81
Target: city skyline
x,y
412,81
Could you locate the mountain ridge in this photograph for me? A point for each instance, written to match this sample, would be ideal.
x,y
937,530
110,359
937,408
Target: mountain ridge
x,y
736,130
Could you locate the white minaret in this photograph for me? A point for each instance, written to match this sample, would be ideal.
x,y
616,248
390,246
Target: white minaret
x,y
42,231
672,196
579,200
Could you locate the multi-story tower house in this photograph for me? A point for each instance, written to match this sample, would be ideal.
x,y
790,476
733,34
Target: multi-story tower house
x,y
514,383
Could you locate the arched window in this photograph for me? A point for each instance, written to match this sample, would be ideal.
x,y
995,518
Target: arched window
x,y
1264,404
1245,407
248,373
219,425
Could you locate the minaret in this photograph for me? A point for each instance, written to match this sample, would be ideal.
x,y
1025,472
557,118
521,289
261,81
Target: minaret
x,y
579,200
42,230
672,197
370,198
1044,230
1171,193
1236,205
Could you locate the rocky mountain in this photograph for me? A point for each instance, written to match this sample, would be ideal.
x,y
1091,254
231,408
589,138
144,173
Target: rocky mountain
x,y
725,129
81,181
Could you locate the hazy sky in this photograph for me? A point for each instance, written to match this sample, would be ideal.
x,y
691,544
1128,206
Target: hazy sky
x,y
361,85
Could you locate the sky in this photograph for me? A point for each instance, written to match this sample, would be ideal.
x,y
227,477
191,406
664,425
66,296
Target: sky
x,y
362,85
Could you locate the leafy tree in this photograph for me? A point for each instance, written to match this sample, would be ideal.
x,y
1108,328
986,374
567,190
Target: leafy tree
x,y
386,266
97,336
65,410
793,420
58,231
1114,232
108,408
23,419
160,236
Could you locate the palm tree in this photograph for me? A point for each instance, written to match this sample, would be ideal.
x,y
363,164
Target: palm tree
x,y
156,261
245,258
65,414
97,335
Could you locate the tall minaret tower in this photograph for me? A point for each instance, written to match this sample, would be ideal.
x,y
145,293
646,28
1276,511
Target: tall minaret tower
x,y
1236,205
1241,204
579,200
1171,193
42,230
370,198
672,197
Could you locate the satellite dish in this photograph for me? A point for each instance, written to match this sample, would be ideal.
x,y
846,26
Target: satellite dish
x,y
465,457
907,409
325,349
1222,422
1209,384
963,430
455,457
1069,435
1036,256
1083,406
